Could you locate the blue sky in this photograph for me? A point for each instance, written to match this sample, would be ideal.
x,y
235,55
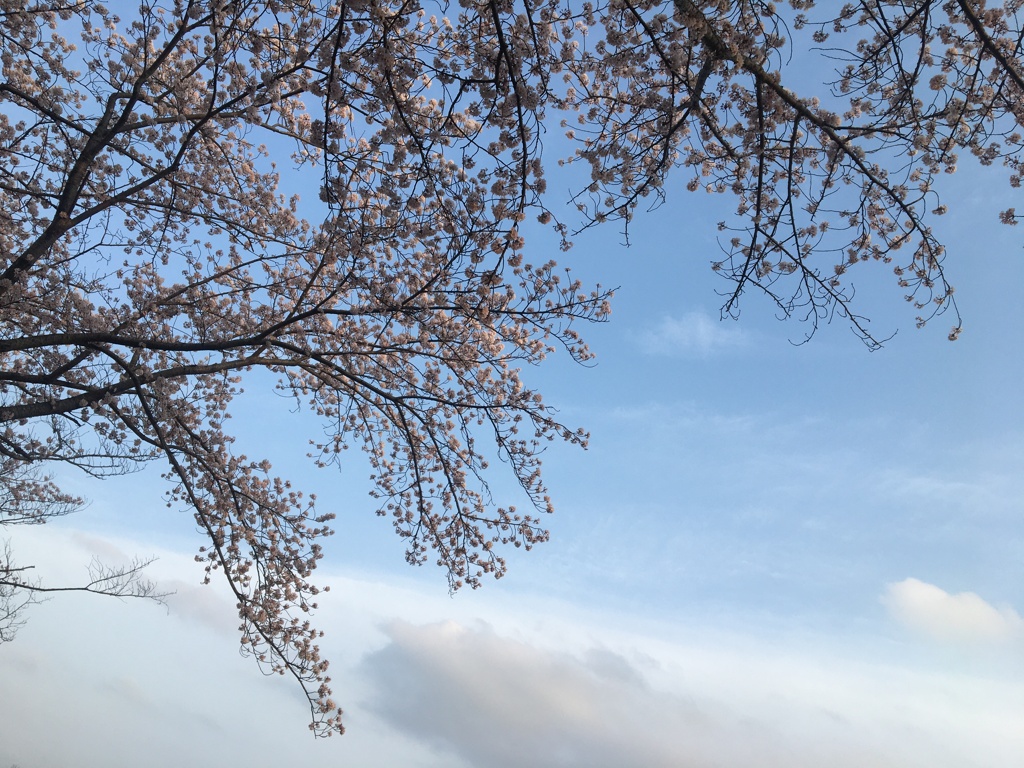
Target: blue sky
x,y
771,555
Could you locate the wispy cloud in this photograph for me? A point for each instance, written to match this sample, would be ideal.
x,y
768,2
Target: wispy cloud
x,y
961,617
695,333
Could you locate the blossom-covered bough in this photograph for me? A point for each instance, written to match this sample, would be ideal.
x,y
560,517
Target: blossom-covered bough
x,y
830,125
154,246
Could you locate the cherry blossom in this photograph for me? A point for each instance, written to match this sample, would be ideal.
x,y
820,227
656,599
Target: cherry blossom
x,y
337,193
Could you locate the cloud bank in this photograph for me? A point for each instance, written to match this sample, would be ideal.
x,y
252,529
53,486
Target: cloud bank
x,y
504,702
506,682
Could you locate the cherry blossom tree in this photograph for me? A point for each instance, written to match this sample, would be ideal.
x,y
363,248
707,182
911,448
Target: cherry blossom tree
x,y
154,248
151,256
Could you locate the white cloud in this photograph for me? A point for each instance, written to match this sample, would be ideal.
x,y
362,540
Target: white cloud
x,y
963,617
695,333
509,702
